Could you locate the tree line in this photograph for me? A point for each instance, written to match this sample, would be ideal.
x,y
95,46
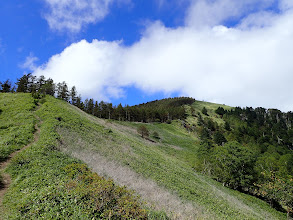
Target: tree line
x,y
156,111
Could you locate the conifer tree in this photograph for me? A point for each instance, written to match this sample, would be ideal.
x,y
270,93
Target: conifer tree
x,y
49,87
62,91
22,84
6,86
73,94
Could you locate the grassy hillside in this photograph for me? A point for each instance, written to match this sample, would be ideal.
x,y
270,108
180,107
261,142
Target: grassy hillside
x,y
47,183
159,169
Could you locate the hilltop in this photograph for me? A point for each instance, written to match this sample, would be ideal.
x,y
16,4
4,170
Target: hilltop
x,y
169,170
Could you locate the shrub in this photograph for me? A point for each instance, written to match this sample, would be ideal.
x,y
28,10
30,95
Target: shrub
x,y
220,111
204,111
219,138
156,135
143,131
100,197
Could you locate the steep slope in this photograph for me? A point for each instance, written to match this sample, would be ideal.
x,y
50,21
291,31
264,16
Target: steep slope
x,y
48,184
166,162
160,169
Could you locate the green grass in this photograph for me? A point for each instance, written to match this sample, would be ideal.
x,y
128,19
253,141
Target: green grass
x,y
167,161
16,122
48,184
169,167
211,107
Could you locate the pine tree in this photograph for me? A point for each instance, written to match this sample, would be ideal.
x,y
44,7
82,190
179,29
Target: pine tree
x,y
73,94
22,84
62,91
49,87
6,86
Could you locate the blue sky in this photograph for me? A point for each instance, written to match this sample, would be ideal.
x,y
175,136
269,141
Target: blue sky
x,y
225,51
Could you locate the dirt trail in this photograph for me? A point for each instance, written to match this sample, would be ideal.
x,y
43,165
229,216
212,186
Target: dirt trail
x,y
4,164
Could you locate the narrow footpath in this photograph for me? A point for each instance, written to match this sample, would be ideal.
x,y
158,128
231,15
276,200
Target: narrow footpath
x,y
4,164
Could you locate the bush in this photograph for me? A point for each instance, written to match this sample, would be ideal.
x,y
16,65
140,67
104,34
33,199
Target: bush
x,y
100,197
168,121
156,135
143,131
219,138
204,111
220,111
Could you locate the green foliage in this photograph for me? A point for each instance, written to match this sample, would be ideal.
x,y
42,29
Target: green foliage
x,y
277,188
101,198
5,87
227,126
156,135
219,138
234,165
204,111
220,111
143,131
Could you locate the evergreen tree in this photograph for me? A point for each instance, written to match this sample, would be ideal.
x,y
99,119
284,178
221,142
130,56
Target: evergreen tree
x,y
120,112
73,94
96,111
204,111
31,86
90,106
6,86
79,103
103,110
22,83
219,138
86,104
62,91
227,126
49,87
40,85
110,110
220,111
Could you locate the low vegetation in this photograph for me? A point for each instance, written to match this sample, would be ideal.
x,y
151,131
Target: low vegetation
x,y
49,184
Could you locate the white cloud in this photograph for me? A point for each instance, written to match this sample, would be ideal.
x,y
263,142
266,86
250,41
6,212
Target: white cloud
x,y
89,66
29,62
250,64
204,13
72,15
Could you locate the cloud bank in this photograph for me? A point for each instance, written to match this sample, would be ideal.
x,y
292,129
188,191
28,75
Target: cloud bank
x,y
247,64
